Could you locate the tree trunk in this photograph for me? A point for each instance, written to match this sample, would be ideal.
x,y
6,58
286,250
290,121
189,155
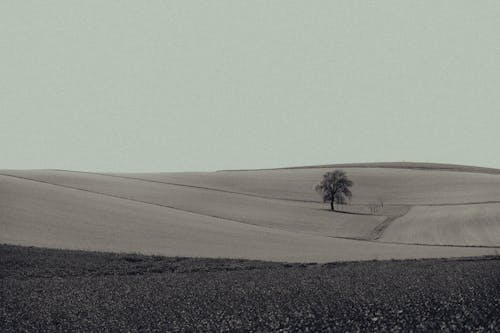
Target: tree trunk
x,y
331,205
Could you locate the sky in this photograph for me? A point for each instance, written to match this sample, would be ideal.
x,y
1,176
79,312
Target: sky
x,y
205,85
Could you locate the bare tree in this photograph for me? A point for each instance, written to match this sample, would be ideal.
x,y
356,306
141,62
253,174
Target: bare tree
x,y
335,188
380,200
377,205
374,207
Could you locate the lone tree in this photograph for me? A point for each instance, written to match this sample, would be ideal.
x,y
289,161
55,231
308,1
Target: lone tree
x,y
335,188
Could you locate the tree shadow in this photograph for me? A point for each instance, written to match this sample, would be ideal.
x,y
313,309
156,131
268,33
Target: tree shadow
x,y
345,212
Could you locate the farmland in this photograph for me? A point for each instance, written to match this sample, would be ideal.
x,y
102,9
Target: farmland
x,y
429,211
250,251
458,224
410,184
56,290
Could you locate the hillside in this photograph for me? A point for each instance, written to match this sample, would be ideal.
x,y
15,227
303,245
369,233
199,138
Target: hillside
x,y
396,165
260,214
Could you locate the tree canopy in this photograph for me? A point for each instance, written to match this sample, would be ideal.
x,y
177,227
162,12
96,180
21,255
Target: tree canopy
x,y
334,188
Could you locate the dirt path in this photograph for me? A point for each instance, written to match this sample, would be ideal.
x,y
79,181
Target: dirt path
x,y
379,230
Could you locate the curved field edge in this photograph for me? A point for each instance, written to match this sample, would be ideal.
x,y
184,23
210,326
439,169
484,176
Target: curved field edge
x,y
394,186
391,165
462,225
296,217
46,215
56,290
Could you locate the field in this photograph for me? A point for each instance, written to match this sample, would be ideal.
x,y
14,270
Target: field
x,y
251,250
429,211
458,225
411,186
54,290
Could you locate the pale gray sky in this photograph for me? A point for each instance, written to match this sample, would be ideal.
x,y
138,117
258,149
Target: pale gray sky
x,y
204,85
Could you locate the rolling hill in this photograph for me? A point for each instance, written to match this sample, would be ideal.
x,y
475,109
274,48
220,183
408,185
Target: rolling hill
x,y
429,211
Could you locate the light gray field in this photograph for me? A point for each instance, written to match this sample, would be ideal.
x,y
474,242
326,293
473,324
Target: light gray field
x,y
394,186
262,214
459,225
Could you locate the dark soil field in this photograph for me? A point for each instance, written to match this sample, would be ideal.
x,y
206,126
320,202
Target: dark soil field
x,y
44,290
